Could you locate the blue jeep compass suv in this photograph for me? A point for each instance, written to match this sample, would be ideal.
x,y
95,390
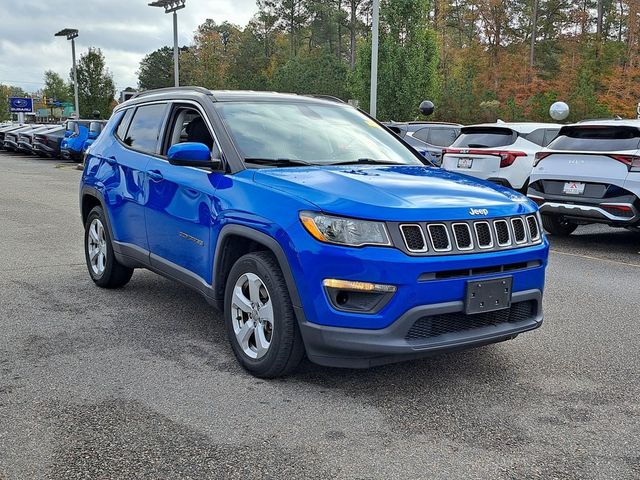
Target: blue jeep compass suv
x,y
311,226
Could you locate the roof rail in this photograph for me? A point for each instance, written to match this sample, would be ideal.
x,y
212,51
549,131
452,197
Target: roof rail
x,y
172,89
330,98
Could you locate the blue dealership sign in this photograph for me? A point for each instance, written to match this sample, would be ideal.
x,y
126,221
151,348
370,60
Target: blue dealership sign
x,y
20,105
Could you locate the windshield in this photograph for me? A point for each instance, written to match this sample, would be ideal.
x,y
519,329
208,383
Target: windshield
x,y
310,133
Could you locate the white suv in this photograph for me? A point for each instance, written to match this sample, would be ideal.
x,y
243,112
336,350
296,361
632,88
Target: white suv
x,y
589,174
500,152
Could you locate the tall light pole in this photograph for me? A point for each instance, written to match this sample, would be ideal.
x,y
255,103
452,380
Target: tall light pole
x,y
375,27
172,6
72,34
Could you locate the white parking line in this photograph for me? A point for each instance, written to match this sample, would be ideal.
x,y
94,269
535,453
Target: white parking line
x,y
589,257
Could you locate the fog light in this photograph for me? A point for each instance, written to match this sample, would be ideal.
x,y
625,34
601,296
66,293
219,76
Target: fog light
x,y
358,286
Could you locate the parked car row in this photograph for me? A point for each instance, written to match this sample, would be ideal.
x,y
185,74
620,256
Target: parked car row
x,y
578,174
68,141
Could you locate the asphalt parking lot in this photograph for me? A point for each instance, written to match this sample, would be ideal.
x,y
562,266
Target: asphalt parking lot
x,y
141,382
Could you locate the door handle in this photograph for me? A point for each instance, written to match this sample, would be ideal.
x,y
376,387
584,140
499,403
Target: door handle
x,y
155,175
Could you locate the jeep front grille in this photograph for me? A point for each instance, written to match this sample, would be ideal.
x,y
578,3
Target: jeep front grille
x,y
439,237
462,234
483,234
503,235
519,233
534,230
473,236
414,238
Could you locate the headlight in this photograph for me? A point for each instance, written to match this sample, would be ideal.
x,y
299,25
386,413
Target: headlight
x,y
345,231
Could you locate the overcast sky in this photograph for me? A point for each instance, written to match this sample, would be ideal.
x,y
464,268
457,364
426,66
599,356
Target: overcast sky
x,y
125,30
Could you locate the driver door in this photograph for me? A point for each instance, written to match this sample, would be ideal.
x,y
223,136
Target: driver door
x,y
181,203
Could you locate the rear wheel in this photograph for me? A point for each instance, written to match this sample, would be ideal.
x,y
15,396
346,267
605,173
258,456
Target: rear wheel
x,y
261,324
558,225
104,268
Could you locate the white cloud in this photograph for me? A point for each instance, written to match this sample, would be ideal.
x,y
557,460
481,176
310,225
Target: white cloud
x,y
125,30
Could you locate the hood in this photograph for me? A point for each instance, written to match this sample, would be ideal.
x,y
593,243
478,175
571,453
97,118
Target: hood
x,y
395,193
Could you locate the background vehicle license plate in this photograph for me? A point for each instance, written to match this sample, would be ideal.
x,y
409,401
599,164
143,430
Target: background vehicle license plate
x,y
465,162
488,295
573,188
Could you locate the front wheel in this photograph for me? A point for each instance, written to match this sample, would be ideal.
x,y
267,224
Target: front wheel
x,y
104,268
558,225
261,324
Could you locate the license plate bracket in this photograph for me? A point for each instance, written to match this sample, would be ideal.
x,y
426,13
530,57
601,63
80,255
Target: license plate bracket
x,y
573,188
488,295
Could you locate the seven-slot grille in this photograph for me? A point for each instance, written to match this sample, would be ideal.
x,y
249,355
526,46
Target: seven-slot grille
x,y
470,236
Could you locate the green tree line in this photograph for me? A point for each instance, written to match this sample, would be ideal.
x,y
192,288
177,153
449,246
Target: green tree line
x,y
478,60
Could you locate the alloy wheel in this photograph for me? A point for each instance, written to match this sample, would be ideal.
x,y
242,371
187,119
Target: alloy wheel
x,y
252,315
97,247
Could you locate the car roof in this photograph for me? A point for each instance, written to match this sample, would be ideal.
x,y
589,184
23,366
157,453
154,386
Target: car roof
x,y
608,123
229,96
521,127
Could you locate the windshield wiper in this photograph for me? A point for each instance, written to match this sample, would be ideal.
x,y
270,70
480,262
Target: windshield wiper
x,y
366,161
277,162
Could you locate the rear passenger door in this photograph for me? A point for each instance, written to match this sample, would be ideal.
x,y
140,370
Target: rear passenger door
x,y
181,202
127,189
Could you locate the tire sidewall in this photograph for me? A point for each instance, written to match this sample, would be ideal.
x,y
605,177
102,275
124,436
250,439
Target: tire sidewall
x,y
280,303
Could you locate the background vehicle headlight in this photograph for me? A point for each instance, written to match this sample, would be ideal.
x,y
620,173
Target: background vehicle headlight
x,y
345,231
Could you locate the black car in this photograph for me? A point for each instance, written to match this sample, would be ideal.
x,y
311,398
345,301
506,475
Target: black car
x,y
48,144
429,138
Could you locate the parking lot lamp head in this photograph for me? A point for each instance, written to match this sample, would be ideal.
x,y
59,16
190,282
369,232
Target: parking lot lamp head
x,y
172,6
72,34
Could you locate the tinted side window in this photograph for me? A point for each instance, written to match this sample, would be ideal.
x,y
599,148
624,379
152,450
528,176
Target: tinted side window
x,y
537,136
485,137
124,123
597,139
442,137
550,135
144,131
421,134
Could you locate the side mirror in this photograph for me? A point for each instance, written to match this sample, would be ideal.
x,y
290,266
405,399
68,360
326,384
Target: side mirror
x,y
427,108
193,154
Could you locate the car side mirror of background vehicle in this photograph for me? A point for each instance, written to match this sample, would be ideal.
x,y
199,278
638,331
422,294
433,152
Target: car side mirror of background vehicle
x,y
193,154
427,108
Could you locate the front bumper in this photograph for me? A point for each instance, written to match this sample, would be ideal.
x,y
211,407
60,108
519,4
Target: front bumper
x,y
343,347
426,286
25,147
10,145
68,154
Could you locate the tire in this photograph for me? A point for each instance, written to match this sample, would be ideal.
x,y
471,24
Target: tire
x,y
104,269
557,225
280,335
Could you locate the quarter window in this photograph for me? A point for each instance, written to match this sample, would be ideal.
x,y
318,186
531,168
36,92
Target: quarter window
x,y
421,134
121,132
